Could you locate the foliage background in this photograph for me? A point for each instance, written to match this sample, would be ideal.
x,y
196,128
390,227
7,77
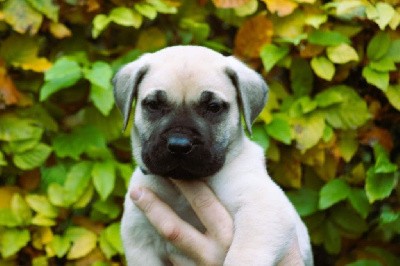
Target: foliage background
x,y
330,130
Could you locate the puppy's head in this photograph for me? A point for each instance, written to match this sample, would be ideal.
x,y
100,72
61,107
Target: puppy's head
x,y
187,112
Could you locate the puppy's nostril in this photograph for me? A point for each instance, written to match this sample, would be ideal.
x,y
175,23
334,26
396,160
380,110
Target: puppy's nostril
x,y
179,144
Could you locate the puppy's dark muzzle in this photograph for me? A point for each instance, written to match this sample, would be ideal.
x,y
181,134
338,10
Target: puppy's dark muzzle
x,y
179,144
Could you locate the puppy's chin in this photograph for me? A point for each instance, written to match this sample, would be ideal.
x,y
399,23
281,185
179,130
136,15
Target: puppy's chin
x,y
183,174
191,168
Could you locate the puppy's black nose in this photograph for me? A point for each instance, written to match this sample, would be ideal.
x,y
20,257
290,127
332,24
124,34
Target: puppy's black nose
x,y
179,144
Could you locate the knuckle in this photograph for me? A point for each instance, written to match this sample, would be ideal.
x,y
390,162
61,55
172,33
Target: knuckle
x,y
170,232
148,205
202,201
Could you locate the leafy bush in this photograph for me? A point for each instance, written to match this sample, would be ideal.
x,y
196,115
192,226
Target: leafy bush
x,y
330,130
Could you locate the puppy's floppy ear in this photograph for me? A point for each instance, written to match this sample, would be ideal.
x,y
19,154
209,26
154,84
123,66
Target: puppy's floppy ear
x,y
126,83
251,89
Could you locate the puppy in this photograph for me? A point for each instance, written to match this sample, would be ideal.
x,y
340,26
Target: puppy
x,y
187,125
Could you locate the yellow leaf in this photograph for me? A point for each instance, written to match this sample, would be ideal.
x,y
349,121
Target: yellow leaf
x,y
83,242
37,64
59,30
281,7
252,36
22,51
290,27
41,237
6,194
229,3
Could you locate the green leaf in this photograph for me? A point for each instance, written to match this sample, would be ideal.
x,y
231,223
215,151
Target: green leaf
x,y
280,129
22,17
393,95
105,246
103,98
358,199
376,78
46,7
323,68
332,239
382,160
75,186
78,178
301,77
304,200
347,219
271,54
351,113
342,54
260,136
394,51
379,186
100,22
59,245
83,242
41,220
308,130
64,73
3,161
42,205
32,158
146,10
386,256
114,237
14,128
104,178
385,14
105,210
199,30
21,210
55,174
329,97
365,263
327,38
163,6
12,240
78,141
333,192
126,17
348,144
383,65
378,46
8,218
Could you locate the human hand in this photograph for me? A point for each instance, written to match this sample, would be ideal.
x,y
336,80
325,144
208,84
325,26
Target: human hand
x,y
209,248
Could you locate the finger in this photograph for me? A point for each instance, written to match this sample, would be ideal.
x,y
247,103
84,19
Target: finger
x,y
208,209
177,260
169,225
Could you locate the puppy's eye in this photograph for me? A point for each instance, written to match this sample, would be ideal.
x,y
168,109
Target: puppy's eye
x,y
152,105
214,107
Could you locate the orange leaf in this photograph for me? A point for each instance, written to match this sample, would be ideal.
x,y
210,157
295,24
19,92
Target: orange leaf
x,y
281,7
229,3
252,36
377,134
8,92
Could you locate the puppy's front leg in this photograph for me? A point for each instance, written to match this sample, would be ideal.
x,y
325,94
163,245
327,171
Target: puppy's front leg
x,y
263,233
257,241
145,256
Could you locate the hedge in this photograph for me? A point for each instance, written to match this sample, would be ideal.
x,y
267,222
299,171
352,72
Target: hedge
x,y
331,128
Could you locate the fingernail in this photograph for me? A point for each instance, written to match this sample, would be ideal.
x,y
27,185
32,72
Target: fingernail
x,y
136,193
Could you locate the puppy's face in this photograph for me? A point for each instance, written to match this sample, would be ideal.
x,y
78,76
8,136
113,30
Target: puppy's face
x,y
187,110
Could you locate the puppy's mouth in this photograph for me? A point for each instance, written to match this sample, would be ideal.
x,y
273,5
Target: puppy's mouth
x,y
200,162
